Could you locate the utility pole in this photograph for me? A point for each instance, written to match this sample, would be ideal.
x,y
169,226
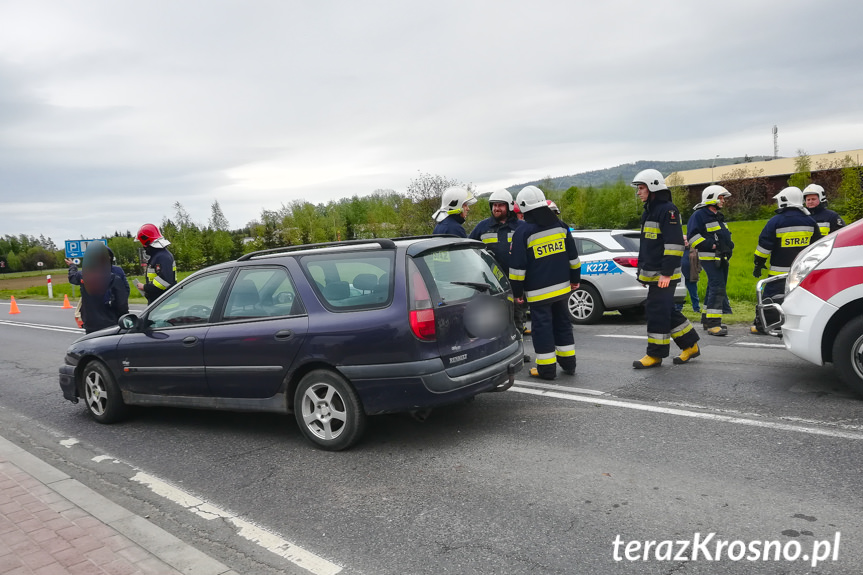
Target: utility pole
x,y
775,142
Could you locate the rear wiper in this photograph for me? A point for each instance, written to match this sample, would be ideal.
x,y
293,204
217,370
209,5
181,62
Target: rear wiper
x,y
475,285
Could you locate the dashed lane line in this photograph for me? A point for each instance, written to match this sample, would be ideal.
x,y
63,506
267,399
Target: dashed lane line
x,y
43,326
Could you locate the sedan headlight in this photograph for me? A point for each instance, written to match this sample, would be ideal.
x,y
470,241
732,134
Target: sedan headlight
x,y
808,260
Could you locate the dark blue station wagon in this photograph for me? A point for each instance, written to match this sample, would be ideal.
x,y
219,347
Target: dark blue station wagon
x,y
331,332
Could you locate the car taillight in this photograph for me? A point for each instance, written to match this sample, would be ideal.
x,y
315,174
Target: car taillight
x,y
626,261
420,310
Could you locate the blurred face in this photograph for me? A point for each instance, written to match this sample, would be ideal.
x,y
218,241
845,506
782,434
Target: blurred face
x,y
499,210
812,201
720,201
464,210
642,192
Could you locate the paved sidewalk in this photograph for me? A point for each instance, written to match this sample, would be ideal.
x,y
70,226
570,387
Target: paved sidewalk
x,y
51,524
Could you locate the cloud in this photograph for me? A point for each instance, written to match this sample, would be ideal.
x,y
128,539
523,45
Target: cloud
x,y
110,112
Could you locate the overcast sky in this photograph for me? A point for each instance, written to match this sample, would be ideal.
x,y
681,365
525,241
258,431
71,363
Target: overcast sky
x,y
112,110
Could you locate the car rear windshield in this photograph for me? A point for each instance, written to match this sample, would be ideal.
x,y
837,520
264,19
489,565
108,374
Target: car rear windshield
x,y
349,281
629,241
460,274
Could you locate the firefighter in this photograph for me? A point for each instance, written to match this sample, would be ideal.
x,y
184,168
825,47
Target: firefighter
x,y
710,237
544,269
496,233
659,258
786,234
454,206
816,203
161,268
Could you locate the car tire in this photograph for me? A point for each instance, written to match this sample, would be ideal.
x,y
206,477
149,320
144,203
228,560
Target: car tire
x,y
584,305
328,410
848,354
101,395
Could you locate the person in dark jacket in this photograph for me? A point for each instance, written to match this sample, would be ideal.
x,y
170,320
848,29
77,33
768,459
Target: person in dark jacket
x,y
659,257
496,233
544,269
104,297
711,238
816,203
784,236
75,273
454,207
161,268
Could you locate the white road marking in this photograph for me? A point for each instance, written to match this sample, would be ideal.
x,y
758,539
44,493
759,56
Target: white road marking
x,y
561,388
266,539
624,336
43,326
694,414
747,344
68,443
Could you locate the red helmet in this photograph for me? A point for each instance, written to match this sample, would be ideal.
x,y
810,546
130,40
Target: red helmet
x,y
148,233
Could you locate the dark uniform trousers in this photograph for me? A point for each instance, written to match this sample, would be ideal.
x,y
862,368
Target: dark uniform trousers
x,y
553,341
716,302
665,323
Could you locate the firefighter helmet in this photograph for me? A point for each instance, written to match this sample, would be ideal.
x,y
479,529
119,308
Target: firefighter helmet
x,y
149,235
711,194
502,196
815,189
791,197
553,206
451,202
530,198
650,178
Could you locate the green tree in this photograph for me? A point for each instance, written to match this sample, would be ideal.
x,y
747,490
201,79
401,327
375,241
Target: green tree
x,y
14,262
185,237
803,175
851,193
218,221
424,192
680,196
126,253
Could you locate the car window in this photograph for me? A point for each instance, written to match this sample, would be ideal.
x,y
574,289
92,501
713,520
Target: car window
x,y
460,274
262,292
190,304
351,280
629,241
587,247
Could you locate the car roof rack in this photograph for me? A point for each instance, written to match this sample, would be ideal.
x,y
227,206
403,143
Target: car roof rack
x,y
427,237
384,243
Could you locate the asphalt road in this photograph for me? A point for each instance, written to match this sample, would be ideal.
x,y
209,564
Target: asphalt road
x,y
747,442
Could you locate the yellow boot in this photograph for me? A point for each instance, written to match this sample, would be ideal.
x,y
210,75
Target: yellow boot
x,y
687,354
647,361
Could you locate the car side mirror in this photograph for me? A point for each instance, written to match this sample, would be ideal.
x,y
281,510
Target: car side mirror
x,y
128,321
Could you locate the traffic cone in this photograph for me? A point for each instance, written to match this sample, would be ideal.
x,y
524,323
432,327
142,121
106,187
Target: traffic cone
x,y
66,304
13,307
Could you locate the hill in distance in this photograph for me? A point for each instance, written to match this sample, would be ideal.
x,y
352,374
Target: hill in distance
x,y
625,172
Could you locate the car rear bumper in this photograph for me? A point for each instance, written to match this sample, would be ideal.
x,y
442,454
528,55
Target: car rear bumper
x,y
67,383
389,388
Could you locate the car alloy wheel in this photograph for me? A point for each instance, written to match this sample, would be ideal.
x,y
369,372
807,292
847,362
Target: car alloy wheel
x,y
101,395
584,305
328,410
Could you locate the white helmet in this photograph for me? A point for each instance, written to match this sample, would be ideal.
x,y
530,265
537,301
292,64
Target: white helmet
x,y
553,206
791,197
815,189
451,202
711,194
650,178
530,198
501,196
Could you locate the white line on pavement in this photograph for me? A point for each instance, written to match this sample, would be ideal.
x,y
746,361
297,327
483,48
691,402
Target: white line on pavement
x,y
624,336
747,344
43,326
562,388
266,539
694,414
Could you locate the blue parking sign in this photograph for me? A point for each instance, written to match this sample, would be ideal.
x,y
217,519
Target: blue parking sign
x,y
76,248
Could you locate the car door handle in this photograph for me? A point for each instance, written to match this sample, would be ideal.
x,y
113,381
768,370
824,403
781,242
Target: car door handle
x,y
190,341
283,335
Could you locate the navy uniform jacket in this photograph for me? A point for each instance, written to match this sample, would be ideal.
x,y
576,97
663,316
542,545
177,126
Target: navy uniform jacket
x,y
451,225
161,273
785,235
497,237
708,233
543,262
661,247
828,220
